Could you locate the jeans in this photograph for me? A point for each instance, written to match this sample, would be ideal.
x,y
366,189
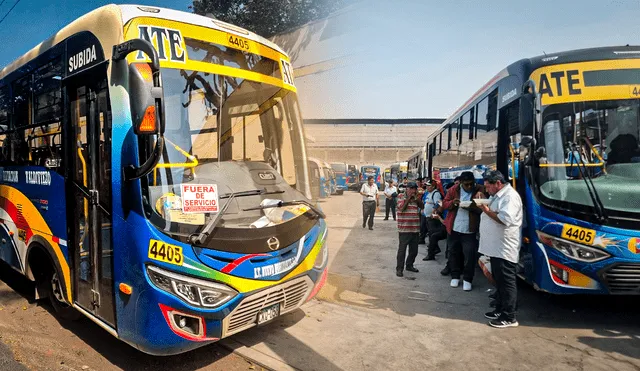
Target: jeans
x,y
463,249
390,204
368,211
504,273
437,232
411,240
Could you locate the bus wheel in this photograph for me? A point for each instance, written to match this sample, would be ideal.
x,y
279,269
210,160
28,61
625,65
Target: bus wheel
x,y
340,192
53,288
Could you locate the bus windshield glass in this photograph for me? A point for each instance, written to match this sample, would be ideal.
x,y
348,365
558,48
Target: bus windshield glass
x,y
370,171
238,134
339,168
597,140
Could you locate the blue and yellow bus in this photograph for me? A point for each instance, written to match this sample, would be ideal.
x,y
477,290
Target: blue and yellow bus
x,y
564,128
371,170
320,178
340,171
153,178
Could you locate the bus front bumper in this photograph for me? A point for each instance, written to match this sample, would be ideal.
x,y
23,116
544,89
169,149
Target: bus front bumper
x,y
167,326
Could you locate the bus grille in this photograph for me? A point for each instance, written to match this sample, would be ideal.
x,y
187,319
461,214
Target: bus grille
x,y
290,295
623,279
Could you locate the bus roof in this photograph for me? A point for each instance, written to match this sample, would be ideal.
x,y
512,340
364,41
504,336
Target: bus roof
x,y
522,68
107,23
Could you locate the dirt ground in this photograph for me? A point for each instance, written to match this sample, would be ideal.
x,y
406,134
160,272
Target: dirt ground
x,y
32,338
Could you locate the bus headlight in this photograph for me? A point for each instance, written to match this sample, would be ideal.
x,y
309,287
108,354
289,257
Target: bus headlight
x,y
573,250
194,291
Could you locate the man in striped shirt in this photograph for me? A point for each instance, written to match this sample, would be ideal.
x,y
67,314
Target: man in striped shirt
x,y
409,205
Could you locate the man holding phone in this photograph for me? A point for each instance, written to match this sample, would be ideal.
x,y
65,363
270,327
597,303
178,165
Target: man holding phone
x,y
369,192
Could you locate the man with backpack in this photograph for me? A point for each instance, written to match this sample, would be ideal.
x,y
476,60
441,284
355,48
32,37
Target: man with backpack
x,y
435,228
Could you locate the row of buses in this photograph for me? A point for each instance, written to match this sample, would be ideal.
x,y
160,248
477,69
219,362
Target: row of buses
x,y
154,178
564,128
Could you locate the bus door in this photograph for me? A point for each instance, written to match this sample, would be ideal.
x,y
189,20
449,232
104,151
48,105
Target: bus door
x,y
89,185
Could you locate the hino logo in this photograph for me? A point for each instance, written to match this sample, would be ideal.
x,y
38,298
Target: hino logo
x,y
273,243
267,176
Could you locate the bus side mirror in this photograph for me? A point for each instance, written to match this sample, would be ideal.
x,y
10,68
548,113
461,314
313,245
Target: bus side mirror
x,y
146,99
527,113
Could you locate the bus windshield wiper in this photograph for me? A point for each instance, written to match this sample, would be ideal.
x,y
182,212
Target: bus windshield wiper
x,y
202,237
289,203
593,192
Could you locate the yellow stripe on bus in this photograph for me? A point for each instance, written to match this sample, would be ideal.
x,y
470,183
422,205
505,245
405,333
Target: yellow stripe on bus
x,y
571,88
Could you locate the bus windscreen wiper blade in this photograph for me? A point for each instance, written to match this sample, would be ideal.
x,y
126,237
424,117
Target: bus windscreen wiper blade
x,y
289,203
593,192
202,237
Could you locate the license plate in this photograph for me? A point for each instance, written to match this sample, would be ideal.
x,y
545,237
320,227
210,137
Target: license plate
x,y
268,313
582,235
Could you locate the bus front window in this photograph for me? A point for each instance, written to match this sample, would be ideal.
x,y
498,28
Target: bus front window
x,y
593,141
238,134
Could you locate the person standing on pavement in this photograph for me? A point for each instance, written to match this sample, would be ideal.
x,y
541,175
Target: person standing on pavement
x,y
369,192
500,231
390,193
409,205
462,224
436,230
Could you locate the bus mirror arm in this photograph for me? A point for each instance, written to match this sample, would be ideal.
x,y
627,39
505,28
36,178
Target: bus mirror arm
x,y
132,172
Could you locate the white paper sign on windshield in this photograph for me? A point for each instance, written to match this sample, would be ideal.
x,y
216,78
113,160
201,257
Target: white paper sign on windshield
x,y
199,198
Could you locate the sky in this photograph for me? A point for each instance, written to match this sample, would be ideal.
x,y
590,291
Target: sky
x,y
417,58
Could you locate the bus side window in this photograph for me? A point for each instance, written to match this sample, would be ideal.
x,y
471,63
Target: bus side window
x,y
4,126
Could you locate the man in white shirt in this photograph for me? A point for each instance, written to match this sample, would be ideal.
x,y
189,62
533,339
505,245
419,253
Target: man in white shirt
x,y
390,193
369,192
500,232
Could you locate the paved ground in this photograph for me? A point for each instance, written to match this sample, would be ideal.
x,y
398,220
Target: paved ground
x,y
31,338
367,318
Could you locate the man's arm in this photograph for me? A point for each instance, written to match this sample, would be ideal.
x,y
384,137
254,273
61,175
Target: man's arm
x,y
491,214
449,202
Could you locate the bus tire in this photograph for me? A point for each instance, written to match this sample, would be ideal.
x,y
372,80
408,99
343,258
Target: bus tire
x,y
340,192
49,284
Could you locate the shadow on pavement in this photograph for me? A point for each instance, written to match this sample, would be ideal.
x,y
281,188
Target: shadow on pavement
x,y
362,275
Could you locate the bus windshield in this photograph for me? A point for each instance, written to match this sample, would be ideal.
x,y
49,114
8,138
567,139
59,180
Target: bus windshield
x,y
597,140
239,134
339,168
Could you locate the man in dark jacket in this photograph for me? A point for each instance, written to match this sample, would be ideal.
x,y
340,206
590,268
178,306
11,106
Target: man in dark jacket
x,y
462,223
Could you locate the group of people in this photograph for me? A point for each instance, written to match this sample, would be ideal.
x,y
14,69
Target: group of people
x,y
473,218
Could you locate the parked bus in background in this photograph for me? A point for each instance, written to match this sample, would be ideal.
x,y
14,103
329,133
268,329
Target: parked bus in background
x,y
568,124
331,177
352,176
146,157
340,170
399,171
416,164
323,177
387,174
371,170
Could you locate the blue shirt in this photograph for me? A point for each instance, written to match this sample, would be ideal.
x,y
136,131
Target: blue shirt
x,y
430,202
461,223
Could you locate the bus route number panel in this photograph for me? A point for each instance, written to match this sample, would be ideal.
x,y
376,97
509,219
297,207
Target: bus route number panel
x,y
165,252
578,234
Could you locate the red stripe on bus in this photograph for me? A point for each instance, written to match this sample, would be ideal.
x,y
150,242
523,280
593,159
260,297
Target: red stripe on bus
x,y
234,264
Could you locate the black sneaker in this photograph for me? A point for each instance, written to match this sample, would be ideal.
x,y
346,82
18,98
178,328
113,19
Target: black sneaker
x,y
370,228
427,258
385,219
503,323
412,269
446,271
364,225
399,273
492,315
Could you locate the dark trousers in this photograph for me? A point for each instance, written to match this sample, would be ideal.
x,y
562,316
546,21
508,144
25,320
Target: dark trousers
x,y
463,249
504,273
390,204
423,228
437,232
411,240
368,211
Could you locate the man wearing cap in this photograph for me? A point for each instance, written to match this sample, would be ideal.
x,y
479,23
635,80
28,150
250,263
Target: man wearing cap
x,y
462,222
409,205
500,232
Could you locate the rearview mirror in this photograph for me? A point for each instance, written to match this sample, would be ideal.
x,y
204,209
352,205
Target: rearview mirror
x,y
526,113
143,97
